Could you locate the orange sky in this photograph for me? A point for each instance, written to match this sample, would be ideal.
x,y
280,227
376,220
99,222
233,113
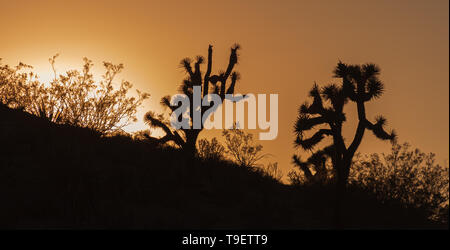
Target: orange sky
x,y
287,45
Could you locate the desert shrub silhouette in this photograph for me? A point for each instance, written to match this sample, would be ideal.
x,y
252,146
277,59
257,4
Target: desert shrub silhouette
x,y
72,98
216,84
272,170
405,174
241,147
210,149
241,150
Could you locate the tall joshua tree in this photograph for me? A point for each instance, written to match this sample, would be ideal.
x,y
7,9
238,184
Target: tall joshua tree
x,y
360,84
217,84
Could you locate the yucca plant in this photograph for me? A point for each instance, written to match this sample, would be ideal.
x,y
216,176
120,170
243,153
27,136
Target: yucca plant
x,y
217,84
325,116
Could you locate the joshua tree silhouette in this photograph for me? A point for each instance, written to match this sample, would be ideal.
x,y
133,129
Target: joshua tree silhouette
x,y
360,84
186,138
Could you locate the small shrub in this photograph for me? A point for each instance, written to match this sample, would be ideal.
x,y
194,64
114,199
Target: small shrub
x,y
241,147
211,150
273,171
405,174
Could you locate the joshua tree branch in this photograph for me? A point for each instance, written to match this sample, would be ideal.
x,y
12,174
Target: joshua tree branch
x,y
197,79
303,166
165,101
234,78
208,72
186,63
379,131
233,60
313,140
222,88
305,122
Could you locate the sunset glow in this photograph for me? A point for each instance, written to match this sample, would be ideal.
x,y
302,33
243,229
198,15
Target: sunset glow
x,y
284,51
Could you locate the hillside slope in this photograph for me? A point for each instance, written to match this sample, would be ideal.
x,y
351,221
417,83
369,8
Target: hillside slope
x,y
59,176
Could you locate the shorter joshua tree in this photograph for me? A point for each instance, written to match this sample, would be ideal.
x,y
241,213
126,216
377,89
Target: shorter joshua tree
x,y
360,84
186,138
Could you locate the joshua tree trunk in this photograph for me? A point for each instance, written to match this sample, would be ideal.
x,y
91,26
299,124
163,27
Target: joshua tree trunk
x,y
191,139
